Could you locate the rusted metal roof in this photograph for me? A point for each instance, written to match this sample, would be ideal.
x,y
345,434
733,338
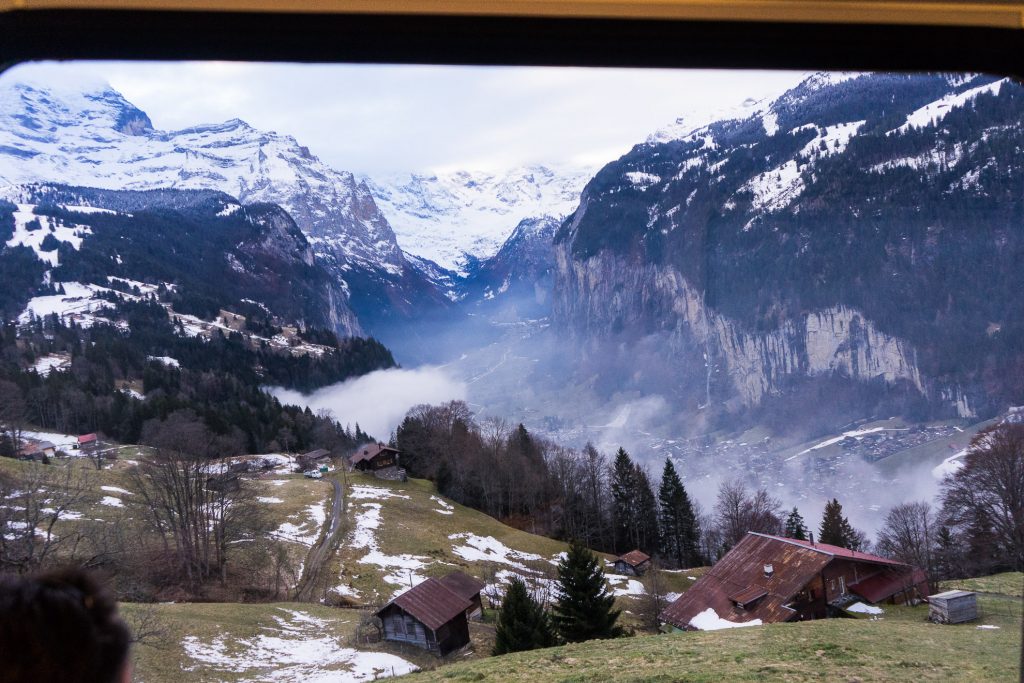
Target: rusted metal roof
x,y
741,573
635,558
369,452
432,603
463,585
87,438
890,581
316,455
838,551
751,595
741,577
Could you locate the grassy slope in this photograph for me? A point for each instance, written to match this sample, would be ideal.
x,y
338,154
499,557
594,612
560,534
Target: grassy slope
x,y
901,646
1007,583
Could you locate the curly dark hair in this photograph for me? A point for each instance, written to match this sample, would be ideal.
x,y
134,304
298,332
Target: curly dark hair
x,y
61,626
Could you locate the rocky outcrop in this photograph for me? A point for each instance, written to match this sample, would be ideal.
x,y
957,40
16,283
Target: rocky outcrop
x,y
608,295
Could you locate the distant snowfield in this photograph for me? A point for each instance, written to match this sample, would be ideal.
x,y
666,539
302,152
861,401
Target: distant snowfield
x,y
295,649
950,465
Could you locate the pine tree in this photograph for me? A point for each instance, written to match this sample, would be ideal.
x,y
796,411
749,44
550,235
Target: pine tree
x,y
623,487
795,527
522,623
646,512
585,608
835,528
679,534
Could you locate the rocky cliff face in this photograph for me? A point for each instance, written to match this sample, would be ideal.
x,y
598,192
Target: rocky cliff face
x,y
840,232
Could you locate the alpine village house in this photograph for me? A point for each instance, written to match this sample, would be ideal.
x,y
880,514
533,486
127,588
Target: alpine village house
x,y
379,459
768,579
434,614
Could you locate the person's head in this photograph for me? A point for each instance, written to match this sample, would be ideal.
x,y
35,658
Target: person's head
x,y
60,627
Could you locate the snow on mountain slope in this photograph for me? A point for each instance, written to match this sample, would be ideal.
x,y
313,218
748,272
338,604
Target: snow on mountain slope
x,y
91,136
445,217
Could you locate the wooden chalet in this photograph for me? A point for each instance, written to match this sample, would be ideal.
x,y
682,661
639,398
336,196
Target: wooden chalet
x,y
87,441
41,451
467,587
769,579
379,459
313,459
633,563
433,614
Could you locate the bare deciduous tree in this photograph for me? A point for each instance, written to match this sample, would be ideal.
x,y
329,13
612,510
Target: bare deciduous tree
x,y
35,500
909,535
985,497
738,511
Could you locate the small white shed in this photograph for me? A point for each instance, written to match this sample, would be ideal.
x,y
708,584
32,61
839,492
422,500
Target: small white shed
x,y
952,607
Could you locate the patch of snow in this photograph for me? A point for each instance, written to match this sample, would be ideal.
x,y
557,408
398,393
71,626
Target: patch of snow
x,y
775,189
771,123
861,608
950,465
269,500
166,360
361,492
642,180
116,489
489,549
47,364
632,588
307,532
445,508
295,648
988,627
62,232
672,597
708,620
933,112
112,502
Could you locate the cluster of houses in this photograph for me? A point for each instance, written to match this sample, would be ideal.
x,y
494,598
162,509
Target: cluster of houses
x,y
41,450
764,579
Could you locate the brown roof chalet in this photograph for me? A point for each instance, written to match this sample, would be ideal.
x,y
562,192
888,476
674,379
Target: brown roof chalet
x,y
431,602
635,558
741,573
369,452
463,585
762,574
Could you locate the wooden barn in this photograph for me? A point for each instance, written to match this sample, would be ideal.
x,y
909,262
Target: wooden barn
x,y
432,615
953,607
313,459
633,563
768,579
381,460
467,587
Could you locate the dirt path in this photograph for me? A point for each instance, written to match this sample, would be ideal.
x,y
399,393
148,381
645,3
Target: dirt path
x,y
307,588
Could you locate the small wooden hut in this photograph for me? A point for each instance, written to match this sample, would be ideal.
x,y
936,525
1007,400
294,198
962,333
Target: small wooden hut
x,y
380,459
430,615
953,607
633,563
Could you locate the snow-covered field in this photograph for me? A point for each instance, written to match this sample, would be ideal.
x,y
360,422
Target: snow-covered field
x,y
488,549
297,648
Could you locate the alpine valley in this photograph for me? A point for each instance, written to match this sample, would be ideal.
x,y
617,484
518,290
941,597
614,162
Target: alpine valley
x,y
845,253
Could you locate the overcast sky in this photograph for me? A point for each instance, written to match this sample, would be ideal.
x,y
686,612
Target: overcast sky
x,y
383,118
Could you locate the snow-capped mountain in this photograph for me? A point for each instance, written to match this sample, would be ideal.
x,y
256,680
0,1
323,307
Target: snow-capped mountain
x,y
89,135
456,219
862,227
